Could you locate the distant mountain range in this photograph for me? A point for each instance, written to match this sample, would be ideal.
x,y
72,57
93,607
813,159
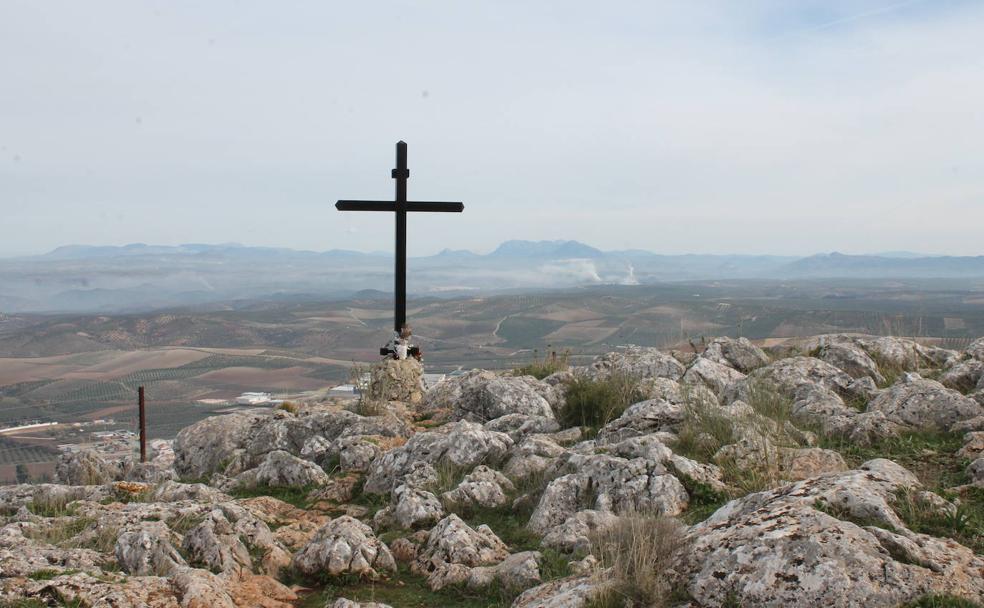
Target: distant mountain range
x,y
82,278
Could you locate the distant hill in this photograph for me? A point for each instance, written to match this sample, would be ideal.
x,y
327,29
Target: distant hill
x,y
141,277
547,249
864,266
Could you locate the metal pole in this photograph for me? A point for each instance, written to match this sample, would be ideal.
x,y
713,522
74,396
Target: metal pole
x,y
143,425
401,173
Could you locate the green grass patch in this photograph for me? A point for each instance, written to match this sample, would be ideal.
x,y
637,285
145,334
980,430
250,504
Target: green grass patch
x,y
46,574
60,531
541,368
592,403
704,500
941,601
965,525
185,522
406,590
508,525
704,430
46,505
372,502
930,455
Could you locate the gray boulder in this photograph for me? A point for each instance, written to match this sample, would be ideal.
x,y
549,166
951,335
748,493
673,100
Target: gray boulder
x,y
229,538
281,470
637,361
718,377
453,548
571,592
397,380
917,403
481,396
173,491
676,393
906,354
148,550
412,507
462,444
790,375
344,546
644,418
483,487
963,376
202,448
976,349
518,426
346,603
233,443
799,545
517,572
86,468
975,470
532,456
739,353
608,483
852,359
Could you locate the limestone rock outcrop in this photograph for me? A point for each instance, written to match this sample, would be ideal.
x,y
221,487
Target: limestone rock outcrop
x,y
462,444
800,544
345,546
397,380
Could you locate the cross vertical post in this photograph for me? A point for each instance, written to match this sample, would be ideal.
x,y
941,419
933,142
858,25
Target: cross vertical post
x,y
401,173
143,424
400,206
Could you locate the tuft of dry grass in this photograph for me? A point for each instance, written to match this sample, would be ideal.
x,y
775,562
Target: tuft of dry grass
x,y
541,368
704,430
593,403
50,505
61,531
372,393
289,406
635,555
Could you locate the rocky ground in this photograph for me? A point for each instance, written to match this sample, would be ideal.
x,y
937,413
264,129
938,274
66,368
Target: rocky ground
x,y
846,472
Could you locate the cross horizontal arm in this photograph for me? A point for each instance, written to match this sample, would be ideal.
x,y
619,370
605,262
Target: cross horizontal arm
x,y
365,206
435,206
423,206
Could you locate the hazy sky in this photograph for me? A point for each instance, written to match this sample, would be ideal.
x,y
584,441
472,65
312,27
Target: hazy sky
x,y
752,126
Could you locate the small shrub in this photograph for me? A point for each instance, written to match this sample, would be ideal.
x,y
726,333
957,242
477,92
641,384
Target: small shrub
x,y
889,370
185,522
704,430
554,565
289,406
704,500
941,601
541,368
593,403
61,531
23,603
766,399
46,574
372,392
964,525
449,475
47,505
637,552
746,478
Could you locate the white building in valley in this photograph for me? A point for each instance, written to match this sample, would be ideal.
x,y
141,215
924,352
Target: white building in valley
x,y
256,399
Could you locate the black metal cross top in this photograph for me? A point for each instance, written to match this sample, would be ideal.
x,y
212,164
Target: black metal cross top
x,y
400,206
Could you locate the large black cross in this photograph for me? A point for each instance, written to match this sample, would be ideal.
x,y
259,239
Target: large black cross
x,y
400,206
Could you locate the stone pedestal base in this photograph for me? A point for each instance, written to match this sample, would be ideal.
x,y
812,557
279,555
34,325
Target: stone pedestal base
x,y
397,380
